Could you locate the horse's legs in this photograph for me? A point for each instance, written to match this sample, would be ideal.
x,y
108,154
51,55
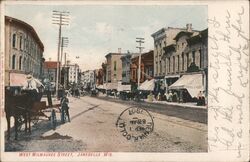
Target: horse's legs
x,y
29,120
16,125
8,126
25,121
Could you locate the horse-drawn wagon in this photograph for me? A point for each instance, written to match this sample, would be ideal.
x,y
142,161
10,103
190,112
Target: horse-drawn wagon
x,y
26,109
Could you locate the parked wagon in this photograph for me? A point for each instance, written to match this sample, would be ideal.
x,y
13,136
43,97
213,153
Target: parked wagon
x,y
26,111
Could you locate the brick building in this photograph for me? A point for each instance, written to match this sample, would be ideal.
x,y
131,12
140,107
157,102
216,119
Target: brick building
x,y
23,52
147,67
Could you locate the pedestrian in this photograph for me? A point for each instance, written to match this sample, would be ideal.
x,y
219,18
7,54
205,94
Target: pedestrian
x,y
170,96
175,97
64,108
48,91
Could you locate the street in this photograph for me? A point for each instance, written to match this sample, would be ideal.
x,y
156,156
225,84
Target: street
x,y
93,128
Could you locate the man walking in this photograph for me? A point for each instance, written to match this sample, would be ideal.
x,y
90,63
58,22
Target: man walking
x,y
64,108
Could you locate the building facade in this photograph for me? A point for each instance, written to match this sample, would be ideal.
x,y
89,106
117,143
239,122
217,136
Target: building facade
x,y
126,62
187,58
23,52
73,73
147,67
88,79
114,67
99,77
50,70
163,38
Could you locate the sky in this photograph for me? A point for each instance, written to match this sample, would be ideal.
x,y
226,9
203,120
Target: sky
x,y
96,30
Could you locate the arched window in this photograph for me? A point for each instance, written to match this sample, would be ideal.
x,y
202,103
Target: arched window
x,y
24,64
14,40
13,62
21,43
20,63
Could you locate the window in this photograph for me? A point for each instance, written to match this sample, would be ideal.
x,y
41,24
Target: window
x,y
173,63
14,40
193,56
114,65
160,67
178,63
20,63
169,64
182,59
21,43
201,59
187,60
183,44
24,64
13,62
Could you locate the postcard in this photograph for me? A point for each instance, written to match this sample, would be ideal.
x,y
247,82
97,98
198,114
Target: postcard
x,y
124,80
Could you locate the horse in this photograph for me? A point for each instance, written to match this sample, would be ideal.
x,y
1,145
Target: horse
x,y
18,106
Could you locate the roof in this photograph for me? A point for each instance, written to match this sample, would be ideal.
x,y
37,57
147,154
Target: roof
x,y
158,32
180,34
29,29
50,64
197,38
109,54
135,55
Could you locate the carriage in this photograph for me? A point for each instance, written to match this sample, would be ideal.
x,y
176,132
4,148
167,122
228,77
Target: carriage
x,y
26,110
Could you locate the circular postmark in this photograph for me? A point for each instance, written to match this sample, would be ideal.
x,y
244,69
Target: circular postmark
x,y
135,123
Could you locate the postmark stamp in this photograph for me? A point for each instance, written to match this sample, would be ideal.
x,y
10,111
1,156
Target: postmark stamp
x,y
135,123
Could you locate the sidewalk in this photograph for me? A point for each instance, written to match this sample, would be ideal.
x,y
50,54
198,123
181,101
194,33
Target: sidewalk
x,y
185,105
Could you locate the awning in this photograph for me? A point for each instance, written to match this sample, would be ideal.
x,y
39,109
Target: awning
x,y
124,87
192,82
148,85
172,76
17,79
101,86
111,85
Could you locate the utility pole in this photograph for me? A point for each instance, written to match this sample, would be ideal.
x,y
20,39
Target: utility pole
x,y
140,41
59,18
64,43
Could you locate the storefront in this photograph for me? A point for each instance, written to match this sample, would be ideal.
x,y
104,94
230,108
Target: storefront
x,y
192,83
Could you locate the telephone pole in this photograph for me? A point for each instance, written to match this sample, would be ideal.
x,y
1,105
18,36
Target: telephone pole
x,y
59,18
140,41
64,43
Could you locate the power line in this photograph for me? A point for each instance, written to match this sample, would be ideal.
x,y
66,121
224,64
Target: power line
x,y
59,18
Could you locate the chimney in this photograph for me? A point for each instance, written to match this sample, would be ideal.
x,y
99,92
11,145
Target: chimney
x,y
189,27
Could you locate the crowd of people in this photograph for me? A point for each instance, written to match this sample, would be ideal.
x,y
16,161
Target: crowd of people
x,y
178,96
